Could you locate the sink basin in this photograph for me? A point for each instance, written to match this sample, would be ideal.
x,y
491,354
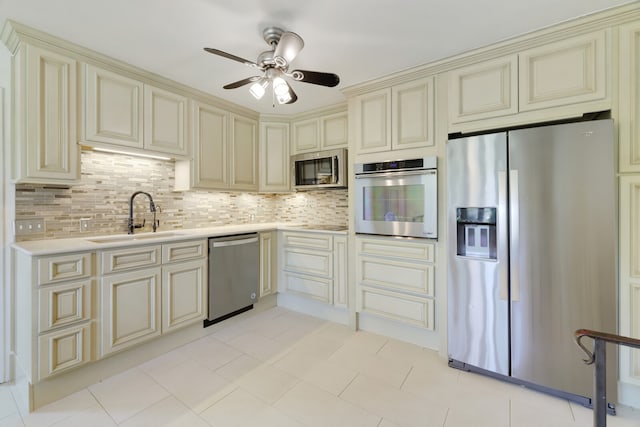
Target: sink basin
x,y
133,237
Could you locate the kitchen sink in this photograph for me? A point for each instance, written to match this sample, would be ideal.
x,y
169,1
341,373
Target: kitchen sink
x,y
133,237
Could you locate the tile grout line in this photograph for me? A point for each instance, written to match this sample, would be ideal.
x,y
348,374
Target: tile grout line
x,y
405,377
446,416
102,406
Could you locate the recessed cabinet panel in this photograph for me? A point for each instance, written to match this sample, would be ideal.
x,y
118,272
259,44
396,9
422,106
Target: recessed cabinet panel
x,y
313,287
373,121
165,121
306,136
484,90
61,305
340,272
129,258
63,267
406,250
244,153
50,127
267,262
183,294
334,131
274,157
629,112
397,275
412,114
404,308
112,108
210,146
129,309
308,261
62,350
562,73
181,251
307,240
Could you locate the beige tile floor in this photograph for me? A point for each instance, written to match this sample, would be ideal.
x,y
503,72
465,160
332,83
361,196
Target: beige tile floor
x,y
281,368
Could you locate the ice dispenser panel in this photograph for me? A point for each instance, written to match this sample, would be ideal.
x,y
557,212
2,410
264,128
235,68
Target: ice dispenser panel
x,y
476,228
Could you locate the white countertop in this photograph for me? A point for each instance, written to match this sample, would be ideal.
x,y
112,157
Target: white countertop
x,y
93,243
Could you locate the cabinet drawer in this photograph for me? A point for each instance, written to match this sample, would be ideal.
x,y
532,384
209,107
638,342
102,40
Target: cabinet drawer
x,y
61,305
393,248
184,250
400,275
409,309
127,259
62,350
313,287
308,261
64,267
307,240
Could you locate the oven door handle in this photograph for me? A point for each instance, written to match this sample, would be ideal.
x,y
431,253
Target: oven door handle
x,y
396,174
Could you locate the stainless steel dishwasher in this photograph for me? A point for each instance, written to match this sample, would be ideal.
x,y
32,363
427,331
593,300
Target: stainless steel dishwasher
x,y
233,275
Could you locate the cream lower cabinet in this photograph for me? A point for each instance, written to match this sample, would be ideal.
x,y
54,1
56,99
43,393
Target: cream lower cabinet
x,y
314,266
395,280
150,290
54,313
268,279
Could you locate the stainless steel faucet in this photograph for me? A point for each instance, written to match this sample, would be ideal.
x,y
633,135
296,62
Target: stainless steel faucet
x,y
152,207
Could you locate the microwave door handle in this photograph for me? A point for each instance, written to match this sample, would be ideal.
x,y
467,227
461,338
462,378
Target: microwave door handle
x,y
334,168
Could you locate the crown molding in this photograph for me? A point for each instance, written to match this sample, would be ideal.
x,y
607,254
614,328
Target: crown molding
x,y
570,28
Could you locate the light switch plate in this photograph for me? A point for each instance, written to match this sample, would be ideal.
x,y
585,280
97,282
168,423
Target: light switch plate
x,y
85,224
22,227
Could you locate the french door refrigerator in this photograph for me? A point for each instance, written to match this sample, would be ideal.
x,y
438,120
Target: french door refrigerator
x,y
532,230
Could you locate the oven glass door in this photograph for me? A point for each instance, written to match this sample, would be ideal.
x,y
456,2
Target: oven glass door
x,y
397,204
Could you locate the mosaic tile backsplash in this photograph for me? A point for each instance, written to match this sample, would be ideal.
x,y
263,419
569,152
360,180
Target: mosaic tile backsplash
x,y
109,180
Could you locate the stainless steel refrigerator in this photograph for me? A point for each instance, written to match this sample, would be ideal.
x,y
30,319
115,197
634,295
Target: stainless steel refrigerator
x,y
531,217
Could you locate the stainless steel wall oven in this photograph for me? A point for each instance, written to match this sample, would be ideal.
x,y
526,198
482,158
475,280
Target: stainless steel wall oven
x,y
397,198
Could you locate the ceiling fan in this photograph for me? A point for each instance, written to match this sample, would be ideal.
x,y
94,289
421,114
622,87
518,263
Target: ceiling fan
x,y
274,64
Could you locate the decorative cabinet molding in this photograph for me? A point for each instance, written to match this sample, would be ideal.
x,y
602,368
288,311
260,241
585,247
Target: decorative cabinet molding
x,y
268,279
484,90
113,108
340,272
395,118
274,158
165,121
629,111
46,149
64,304
63,349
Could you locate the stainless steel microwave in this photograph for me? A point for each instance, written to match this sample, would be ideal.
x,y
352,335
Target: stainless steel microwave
x,y
320,169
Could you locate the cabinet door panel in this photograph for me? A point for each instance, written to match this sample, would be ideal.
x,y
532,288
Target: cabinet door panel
x,y
64,349
372,121
244,153
183,294
629,112
274,158
112,108
61,305
129,309
485,90
52,149
334,131
562,73
412,114
306,136
210,147
165,121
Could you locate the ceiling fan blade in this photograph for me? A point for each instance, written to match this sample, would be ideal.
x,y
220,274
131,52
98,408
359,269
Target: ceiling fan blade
x,y
294,97
316,77
241,82
289,45
230,56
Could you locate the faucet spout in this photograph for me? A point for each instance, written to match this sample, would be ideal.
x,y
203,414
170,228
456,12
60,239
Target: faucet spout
x,y
152,207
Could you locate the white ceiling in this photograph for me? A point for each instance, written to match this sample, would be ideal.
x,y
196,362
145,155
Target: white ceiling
x,y
359,40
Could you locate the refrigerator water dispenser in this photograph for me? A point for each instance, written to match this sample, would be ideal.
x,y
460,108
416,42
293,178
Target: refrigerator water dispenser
x,y
476,232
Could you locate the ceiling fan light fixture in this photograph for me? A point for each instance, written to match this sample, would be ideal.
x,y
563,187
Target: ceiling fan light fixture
x,y
258,88
281,90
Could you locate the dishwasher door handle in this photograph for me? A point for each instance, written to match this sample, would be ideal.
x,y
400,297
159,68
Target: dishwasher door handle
x,y
234,242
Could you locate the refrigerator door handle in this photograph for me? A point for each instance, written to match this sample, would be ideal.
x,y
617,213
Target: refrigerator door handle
x,y
503,277
514,225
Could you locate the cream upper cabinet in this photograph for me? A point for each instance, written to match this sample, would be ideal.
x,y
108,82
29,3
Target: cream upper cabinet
x,y
629,111
243,153
556,80
566,72
306,136
165,121
484,90
323,131
45,117
395,118
113,108
119,111
274,157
